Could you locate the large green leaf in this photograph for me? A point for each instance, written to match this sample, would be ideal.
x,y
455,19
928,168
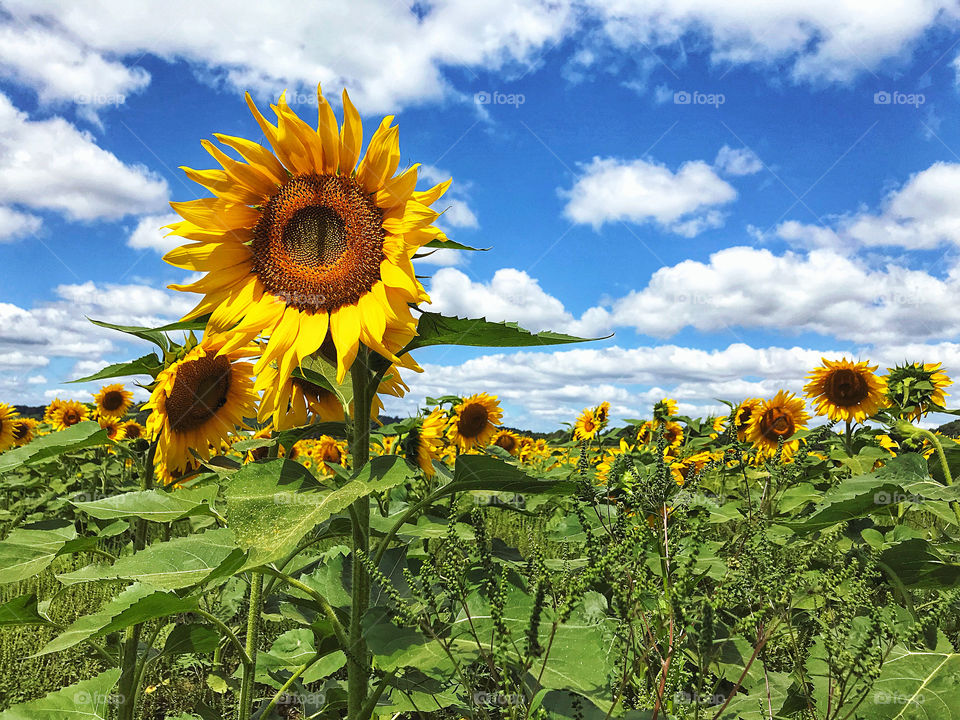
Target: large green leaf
x,y
915,685
171,565
919,564
191,638
76,437
485,472
22,610
436,329
156,335
27,551
137,604
273,504
147,365
155,505
89,700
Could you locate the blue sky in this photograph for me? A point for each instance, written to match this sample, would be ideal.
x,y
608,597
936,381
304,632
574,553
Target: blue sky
x,y
731,191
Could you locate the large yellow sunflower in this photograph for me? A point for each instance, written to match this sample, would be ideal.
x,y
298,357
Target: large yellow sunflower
x,y
586,427
422,443
776,419
23,431
508,440
845,390
8,418
302,243
475,421
67,413
743,414
198,401
113,400
113,427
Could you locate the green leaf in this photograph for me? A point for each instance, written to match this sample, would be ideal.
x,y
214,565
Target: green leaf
x,y
436,329
22,610
155,505
484,472
137,604
451,245
191,638
321,372
147,365
27,551
273,504
918,564
170,565
75,437
156,335
915,685
89,699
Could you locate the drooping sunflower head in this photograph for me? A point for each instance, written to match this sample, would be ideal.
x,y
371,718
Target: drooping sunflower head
x,y
8,418
198,401
24,430
303,243
664,409
508,440
777,420
475,421
113,401
68,413
845,390
422,443
743,414
916,388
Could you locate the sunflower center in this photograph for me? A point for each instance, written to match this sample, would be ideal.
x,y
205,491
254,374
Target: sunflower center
x,y
198,392
330,453
318,244
472,420
71,417
507,442
112,401
132,432
847,387
20,430
775,423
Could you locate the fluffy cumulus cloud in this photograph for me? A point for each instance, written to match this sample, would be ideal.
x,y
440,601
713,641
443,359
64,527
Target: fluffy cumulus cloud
x,y
51,165
737,161
686,202
15,225
149,234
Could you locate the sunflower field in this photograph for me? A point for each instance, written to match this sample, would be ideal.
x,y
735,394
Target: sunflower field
x,y
255,542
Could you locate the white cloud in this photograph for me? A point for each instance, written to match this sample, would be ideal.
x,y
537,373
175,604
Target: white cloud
x,y
737,161
37,380
50,165
15,225
638,191
20,359
150,234
457,212
921,214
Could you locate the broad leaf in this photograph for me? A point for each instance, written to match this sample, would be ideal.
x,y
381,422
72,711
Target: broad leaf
x,y
155,505
89,700
27,551
147,365
76,437
22,610
436,329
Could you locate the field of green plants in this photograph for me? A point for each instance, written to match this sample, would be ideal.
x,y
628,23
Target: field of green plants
x,y
253,542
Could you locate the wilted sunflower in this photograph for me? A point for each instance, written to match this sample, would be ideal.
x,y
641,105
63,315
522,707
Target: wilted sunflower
x,y
8,416
113,400
475,421
199,400
23,431
508,440
845,390
421,443
743,414
67,413
777,419
916,388
303,243
665,409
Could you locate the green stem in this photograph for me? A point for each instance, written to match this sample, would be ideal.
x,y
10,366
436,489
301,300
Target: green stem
x,y
358,659
947,477
228,633
286,686
848,438
245,705
320,599
142,665
126,688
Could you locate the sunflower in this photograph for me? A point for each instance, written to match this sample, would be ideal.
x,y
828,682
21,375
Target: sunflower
x,y
384,445
775,420
742,416
113,401
114,429
48,411
422,443
327,449
475,421
303,244
673,433
916,388
645,433
845,390
665,409
8,420
508,440
23,431
199,400
586,427
67,413
132,430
